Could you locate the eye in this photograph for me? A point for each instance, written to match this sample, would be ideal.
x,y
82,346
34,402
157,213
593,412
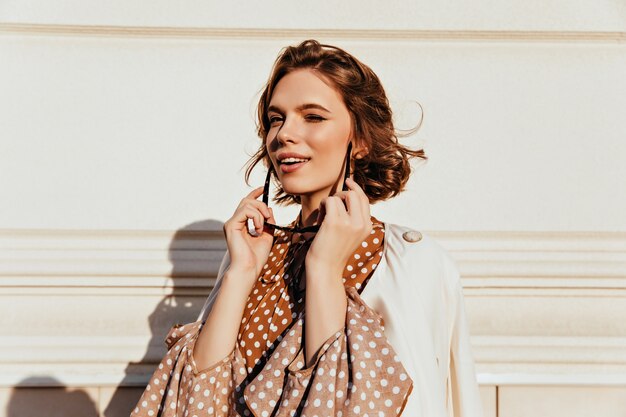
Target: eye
x,y
273,119
315,117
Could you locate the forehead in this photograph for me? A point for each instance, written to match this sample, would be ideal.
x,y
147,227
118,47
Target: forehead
x,y
305,86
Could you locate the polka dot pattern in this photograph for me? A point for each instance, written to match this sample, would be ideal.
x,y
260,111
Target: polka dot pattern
x,y
177,388
356,372
273,303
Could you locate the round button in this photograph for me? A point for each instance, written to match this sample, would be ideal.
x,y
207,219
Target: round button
x,y
412,236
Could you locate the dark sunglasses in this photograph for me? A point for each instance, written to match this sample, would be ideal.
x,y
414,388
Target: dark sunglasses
x,y
314,228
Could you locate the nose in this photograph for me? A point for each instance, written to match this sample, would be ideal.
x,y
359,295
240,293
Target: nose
x,y
287,132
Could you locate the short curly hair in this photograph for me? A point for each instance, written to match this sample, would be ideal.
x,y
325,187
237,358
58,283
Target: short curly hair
x,y
385,169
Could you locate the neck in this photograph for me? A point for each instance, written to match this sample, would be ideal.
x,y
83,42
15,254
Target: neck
x,y
310,203
309,211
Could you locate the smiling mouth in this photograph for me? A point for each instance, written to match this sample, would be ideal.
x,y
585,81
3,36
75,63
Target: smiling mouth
x,y
293,161
288,165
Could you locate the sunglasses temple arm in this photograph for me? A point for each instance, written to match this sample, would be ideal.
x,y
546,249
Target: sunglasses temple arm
x,y
347,172
266,187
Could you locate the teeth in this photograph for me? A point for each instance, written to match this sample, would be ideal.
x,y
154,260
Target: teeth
x,y
289,160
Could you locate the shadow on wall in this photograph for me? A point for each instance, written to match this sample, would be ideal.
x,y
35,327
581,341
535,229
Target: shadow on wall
x,y
179,307
46,396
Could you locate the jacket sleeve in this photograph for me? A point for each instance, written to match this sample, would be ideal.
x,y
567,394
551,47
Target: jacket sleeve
x,y
463,392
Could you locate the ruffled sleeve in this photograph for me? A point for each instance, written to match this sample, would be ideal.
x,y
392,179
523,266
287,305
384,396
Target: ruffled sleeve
x,y
179,388
357,372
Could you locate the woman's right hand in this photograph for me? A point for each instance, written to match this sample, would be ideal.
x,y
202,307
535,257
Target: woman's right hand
x,y
249,253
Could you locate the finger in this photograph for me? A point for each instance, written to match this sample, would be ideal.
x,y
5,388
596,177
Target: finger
x,y
353,203
259,205
271,217
353,186
355,206
341,194
258,221
334,207
251,213
267,228
256,193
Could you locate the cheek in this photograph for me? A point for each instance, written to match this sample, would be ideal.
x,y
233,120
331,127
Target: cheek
x,y
330,163
331,148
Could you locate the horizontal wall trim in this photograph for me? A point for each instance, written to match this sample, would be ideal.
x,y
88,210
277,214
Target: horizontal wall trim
x,y
125,262
553,350
102,378
598,379
534,351
196,287
116,263
378,34
581,239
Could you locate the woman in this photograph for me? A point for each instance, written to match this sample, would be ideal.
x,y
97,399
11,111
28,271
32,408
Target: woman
x,y
338,313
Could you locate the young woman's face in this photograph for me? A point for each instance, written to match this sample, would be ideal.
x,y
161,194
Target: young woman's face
x,y
310,129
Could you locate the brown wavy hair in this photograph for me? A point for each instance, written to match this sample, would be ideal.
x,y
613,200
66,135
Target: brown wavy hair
x,y
385,169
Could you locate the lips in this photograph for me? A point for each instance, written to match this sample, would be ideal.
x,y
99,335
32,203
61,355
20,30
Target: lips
x,y
288,154
291,167
291,161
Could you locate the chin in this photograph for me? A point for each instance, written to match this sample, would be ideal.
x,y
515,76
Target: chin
x,y
297,187
297,190
302,190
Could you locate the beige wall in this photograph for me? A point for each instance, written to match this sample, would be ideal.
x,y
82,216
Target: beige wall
x,y
123,130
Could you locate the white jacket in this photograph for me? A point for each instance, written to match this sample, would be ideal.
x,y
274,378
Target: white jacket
x,y
417,290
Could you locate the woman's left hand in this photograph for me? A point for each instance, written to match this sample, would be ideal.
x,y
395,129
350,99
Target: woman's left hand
x,y
343,228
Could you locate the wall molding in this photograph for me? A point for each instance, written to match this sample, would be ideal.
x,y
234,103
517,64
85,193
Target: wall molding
x,y
60,266
350,34
117,259
504,360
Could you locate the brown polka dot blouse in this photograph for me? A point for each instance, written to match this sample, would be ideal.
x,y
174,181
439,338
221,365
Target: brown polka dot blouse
x,y
356,371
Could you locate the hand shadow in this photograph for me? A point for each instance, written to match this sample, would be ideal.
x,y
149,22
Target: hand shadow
x,y
195,253
46,396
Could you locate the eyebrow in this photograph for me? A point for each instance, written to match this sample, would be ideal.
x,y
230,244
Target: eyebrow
x,y
304,106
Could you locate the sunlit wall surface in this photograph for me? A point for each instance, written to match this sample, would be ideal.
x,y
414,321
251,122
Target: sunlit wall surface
x,y
125,127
